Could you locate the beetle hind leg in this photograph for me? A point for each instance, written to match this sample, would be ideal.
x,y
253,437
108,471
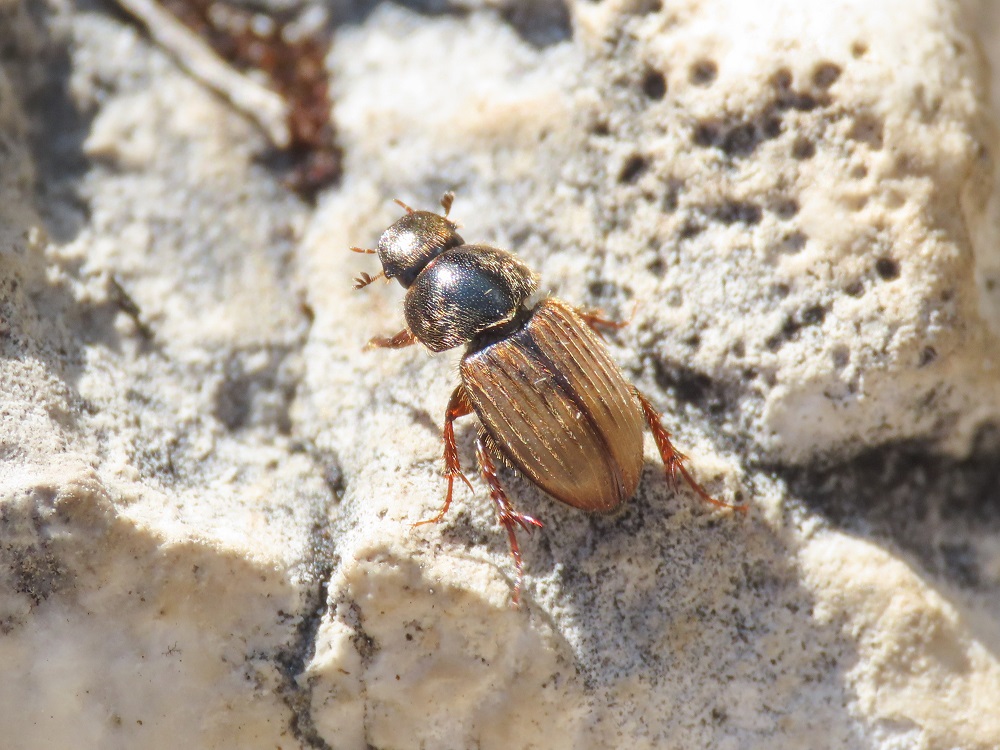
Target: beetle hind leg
x,y
509,518
458,406
673,459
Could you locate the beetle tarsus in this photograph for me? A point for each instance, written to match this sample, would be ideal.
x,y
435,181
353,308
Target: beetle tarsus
x,y
447,498
597,319
506,515
673,460
741,508
458,406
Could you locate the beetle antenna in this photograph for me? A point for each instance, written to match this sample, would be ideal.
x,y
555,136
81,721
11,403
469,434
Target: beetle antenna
x,y
363,250
400,203
360,282
446,200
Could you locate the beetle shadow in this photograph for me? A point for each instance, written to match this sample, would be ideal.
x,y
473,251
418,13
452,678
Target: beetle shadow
x,y
701,611
707,611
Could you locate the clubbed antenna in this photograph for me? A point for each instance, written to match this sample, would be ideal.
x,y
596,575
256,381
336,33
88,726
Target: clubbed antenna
x,y
360,282
446,200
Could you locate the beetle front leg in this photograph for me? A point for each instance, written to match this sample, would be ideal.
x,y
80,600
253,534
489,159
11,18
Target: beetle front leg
x,y
673,459
401,340
597,319
458,406
506,515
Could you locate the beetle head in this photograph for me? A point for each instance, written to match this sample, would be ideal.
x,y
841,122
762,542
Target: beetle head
x,y
412,242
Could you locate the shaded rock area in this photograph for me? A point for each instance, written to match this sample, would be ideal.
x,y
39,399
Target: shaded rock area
x,y
207,486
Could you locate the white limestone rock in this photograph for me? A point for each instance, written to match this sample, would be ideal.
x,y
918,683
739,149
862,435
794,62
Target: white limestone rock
x,y
791,193
163,539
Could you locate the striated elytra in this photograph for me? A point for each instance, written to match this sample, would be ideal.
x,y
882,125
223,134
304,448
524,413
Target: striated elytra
x,y
550,400
556,407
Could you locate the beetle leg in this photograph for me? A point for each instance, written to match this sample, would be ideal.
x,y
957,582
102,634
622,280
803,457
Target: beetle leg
x,y
673,459
597,319
458,406
402,339
506,515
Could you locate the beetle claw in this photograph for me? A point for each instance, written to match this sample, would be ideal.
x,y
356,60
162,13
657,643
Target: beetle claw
x,y
528,523
509,518
673,469
426,521
703,494
447,498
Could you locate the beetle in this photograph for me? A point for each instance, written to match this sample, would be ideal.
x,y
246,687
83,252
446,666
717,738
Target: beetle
x,y
551,402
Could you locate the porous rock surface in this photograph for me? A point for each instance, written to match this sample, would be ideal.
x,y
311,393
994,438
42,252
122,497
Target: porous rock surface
x,y
207,487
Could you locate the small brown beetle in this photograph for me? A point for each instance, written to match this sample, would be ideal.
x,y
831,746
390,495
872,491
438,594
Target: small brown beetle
x,y
551,402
